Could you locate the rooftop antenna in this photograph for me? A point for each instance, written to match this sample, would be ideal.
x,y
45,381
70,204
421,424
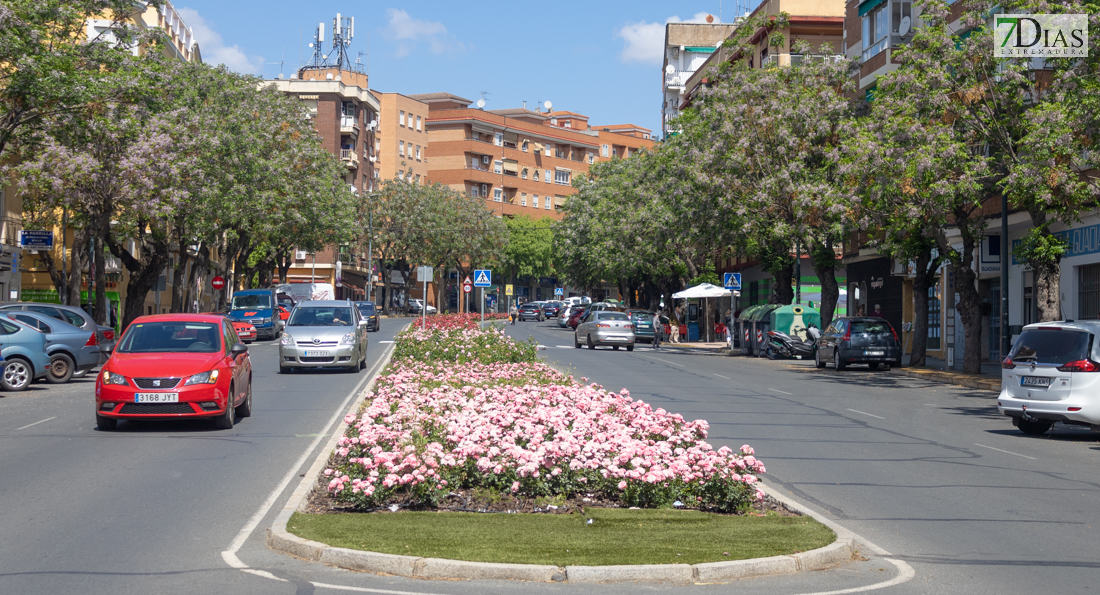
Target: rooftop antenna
x,y
481,102
281,62
343,32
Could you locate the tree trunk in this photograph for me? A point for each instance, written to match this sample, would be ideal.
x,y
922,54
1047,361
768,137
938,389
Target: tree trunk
x,y
179,286
76,267
56,275
388,270
970,309
100,310
1048,273
783,293
923,278
823,261
144,271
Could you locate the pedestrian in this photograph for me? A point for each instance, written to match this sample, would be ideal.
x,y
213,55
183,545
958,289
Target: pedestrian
x,y
728,322
878,311
674,326
658,330
512,313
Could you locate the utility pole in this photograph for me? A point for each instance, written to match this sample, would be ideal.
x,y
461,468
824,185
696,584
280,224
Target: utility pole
x,y
64,273
1005,335
798,272
370,254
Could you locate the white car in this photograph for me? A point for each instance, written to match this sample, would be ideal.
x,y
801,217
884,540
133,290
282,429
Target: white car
x,y
418,305
1052,374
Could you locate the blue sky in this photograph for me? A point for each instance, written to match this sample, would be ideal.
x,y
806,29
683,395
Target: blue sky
x,y
600,58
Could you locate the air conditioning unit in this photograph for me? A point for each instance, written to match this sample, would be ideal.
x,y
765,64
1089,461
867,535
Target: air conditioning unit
x,y
300,255
485,159
485,190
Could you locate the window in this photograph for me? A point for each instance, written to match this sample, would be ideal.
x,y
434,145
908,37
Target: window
x,y
549,149
561,152
645,136
524,145
418,152
1088,292
498,167
475,135
417,178
401,120
548,178
401,174
523,174
604,151
498,139
591,158
614,152
874,31
535,201
900,9
561,177
418,124
401,148
473,163
497,194
523,198
536,175
473,191
549,203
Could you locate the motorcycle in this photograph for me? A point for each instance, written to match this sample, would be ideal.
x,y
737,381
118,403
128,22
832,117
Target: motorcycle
x,y
783,346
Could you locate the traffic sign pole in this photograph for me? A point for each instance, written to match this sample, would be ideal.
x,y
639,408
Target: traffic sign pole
x,y
483,304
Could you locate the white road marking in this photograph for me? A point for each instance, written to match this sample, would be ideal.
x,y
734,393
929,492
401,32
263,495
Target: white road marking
x,y
668,362
905,573
721,376
565,346
230,554
366,590
867,414
1005,451
779,391
384,342
36,423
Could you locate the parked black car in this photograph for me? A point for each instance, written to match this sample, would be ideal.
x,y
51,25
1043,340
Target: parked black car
x,y
859,340
551,309
530,311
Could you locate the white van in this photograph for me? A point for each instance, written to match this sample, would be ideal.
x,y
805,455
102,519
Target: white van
x,y
303,292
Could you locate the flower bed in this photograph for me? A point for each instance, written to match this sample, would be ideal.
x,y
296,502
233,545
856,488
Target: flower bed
x,y
470,409
455,321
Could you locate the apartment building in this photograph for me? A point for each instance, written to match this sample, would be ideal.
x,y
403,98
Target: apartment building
x,y
401,141
873,29
346,115
519,160
687,46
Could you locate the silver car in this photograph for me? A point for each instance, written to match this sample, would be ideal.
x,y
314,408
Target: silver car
x,y
324,334
1052,374
71,349
605,328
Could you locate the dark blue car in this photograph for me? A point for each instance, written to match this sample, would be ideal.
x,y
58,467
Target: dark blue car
x,y
258,307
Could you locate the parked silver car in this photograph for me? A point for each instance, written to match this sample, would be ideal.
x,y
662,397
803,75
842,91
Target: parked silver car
x,y
605,328
71,349
1052,374
326,334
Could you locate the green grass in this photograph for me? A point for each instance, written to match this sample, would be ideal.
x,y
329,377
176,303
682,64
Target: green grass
x,y
616,536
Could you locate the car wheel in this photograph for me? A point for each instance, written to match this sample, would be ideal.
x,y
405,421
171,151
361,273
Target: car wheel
x,y
591,345
837,362
225,420
817,359
245,408
576,341
17,375
896,363
630,348
80,374
1033,428
615,347
61,369
105,424
285,370
873,366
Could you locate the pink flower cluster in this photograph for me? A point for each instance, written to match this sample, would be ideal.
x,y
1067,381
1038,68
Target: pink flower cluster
x,y
527,429
455,321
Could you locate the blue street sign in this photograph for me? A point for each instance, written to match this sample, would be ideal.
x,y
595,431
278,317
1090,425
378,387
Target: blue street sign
x,y
732,281
483,278
558,291
36,240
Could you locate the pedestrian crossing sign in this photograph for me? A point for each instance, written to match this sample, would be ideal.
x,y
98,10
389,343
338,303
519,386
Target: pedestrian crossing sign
x,y
731,280
558,291
483,278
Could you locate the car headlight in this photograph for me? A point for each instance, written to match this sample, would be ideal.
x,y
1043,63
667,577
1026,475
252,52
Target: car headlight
x,y
267,320
112,378
348,339
286,340
210,377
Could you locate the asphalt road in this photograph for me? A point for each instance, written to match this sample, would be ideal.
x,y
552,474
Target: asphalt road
x,y
929,472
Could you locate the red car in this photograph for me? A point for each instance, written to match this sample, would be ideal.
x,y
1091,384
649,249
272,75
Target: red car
x,y
575,317
176,366
245,331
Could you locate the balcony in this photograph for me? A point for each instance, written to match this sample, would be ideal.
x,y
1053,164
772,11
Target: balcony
x,y
679,79
796,59
350,157
349,125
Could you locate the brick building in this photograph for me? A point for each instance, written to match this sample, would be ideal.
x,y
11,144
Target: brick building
x,y
401,141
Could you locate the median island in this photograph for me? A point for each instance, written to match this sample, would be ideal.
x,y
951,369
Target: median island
x,y
471,448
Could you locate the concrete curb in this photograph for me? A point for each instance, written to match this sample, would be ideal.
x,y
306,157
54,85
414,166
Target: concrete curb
x,y
955,378
279,539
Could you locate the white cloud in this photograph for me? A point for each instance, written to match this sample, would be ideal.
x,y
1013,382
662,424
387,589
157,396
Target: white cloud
x,y
645,41
214,50
410,31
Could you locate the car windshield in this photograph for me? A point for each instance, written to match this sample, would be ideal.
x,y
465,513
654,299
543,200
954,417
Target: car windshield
x,y
871,327
320,316
613,316
252,302
171,337
366,308
644,316
1051,346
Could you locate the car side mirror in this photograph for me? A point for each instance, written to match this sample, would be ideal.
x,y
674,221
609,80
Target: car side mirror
x,y
238,349
363,321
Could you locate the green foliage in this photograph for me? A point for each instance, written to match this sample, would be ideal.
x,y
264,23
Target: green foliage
x,y
530,248
1040,249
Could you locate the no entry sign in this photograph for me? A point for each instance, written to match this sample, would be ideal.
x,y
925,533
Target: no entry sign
x,y
217,283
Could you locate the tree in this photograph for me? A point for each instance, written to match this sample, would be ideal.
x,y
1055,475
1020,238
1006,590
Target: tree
x,y
530,248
